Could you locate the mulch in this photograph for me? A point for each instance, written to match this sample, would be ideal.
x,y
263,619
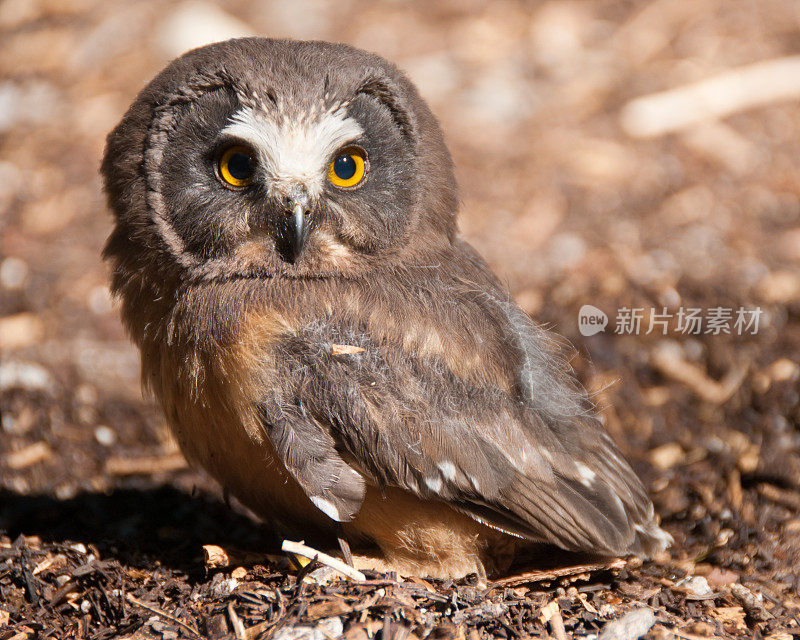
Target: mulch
x,y
102,523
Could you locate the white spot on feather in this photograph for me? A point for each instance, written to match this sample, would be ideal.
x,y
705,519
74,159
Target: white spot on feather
x,y
587,475
295,150
327,507
448,470
434,484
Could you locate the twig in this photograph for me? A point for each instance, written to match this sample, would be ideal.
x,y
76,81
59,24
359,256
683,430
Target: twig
x,y
669,360
118,466
312,554
729,92
236,623
552,613
345,547
554,574
163,614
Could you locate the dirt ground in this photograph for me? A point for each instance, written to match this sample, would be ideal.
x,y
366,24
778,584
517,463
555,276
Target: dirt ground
x,y
582,183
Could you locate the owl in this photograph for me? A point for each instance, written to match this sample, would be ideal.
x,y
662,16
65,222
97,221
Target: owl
x,y
320,338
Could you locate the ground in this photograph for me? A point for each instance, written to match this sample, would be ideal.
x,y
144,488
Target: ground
x,y
577,191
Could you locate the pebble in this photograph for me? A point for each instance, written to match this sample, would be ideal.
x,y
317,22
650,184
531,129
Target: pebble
x,y
20,330
325,628
225,587
195,24
105,435
697,585
631,626
25,375
13,273
100,301
667,456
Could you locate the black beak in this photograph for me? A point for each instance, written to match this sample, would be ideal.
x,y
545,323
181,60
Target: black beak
x,y
299,225
297,211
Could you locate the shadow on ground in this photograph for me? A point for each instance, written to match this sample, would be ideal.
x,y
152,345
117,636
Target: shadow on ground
x,y
137,526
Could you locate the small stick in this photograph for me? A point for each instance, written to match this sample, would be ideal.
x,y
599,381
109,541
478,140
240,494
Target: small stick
x,y
163,614
236,623
552,613
344,546
313,554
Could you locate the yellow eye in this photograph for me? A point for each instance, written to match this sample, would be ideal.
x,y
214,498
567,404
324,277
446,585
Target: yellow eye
x,y
236,166
348,168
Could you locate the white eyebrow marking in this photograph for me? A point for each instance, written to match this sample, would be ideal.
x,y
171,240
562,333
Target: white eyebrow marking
x,y
295,150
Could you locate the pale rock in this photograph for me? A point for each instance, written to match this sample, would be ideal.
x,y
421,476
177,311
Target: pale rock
x,y
196,24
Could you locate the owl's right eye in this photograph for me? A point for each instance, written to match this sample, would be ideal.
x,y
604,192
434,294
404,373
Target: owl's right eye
x,y
236,166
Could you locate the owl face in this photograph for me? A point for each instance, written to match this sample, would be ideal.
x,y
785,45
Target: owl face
x,y
277,157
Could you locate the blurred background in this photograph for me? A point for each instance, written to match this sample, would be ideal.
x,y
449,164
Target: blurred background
x,y
626,154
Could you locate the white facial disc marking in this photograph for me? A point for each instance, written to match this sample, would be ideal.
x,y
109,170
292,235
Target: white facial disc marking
x,y
295,150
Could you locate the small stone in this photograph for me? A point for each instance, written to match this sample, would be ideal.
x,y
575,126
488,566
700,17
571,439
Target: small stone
x,y
225,588
779,286
13,273
667,455
631,626
325,629
86,394
194,24
783,370
28,456
697,586
25,375
20,330
105,435
100,301
239,573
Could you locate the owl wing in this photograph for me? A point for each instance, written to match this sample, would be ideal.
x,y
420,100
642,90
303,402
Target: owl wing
x,y
536,463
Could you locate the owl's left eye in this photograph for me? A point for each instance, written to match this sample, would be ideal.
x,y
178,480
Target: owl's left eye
x,y
348,168
236,166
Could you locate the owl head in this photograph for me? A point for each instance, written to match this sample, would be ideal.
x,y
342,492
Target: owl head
x,y
258,157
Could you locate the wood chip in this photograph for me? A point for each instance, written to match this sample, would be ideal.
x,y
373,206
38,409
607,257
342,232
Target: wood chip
x,y
29,456
554,574
667,456
215,557
730,616
117,466
344,349
44,564
788,499
752,603
20,330
669,360
236,623
162,614
551,614
716,97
